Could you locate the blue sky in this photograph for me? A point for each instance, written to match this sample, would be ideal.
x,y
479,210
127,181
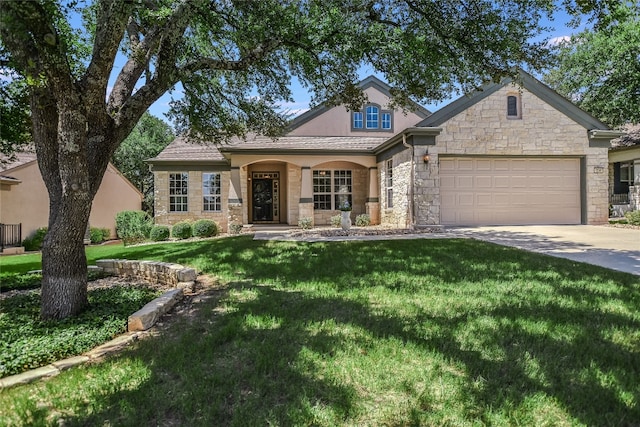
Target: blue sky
x,y
559,25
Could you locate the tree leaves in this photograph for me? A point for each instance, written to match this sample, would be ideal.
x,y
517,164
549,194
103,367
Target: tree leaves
x,y
599,69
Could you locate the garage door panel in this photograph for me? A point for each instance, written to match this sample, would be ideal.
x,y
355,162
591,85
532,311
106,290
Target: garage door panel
x,y
510,191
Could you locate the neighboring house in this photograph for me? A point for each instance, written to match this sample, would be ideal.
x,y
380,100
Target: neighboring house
x,y
624,172
24,198
504,155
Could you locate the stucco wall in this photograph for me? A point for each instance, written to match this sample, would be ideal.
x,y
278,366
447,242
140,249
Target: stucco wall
x,y
337,120
484,129
28,202
194,199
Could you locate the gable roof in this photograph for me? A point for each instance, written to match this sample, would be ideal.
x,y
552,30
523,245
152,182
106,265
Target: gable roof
x,y
369,82
530,83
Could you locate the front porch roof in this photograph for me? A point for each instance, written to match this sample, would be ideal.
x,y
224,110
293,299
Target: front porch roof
x,y
304,145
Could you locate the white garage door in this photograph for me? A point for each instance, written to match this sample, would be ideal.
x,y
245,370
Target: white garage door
x,y
507,191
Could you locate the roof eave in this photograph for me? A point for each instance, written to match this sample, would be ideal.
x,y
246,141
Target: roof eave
x,y
411,131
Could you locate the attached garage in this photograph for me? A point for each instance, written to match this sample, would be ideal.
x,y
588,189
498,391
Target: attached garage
x,y
510,190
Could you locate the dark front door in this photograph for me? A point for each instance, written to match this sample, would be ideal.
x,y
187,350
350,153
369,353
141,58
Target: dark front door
x,y
265,197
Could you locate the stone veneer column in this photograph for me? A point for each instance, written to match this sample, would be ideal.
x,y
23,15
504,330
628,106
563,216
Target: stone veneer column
x,y
372,204
305,204
235,197
634,190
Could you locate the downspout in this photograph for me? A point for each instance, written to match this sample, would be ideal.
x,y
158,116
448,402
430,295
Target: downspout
x,y
411,180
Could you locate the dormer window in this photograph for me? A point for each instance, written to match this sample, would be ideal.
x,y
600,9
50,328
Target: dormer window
x,y
513,107
372,118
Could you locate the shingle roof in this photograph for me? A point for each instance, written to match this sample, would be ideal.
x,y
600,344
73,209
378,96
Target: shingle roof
x,y
632,138
305,143
22,158
185,149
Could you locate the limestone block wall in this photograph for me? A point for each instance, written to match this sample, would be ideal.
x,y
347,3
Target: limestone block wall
x,y
398,215
484,129
294,179
155,272
195,200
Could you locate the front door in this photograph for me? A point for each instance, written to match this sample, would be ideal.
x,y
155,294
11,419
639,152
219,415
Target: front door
x,y
265,197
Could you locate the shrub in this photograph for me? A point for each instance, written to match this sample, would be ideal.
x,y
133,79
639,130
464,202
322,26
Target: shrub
x,y
305,223
633,217
133,226
34,241
205,228
235,228
97,235
363,220
181,230
335,221
159,233
106,233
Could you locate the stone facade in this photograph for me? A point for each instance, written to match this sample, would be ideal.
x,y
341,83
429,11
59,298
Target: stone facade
x,y
484,129
195,200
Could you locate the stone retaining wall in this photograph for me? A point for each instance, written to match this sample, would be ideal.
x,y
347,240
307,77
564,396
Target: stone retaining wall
x,y
153,271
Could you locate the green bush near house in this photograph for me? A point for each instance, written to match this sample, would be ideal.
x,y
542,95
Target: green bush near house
x,y
335,221
99,235
133,226
363,220
182,230
633,218
205,228
34,241
305,223
159,233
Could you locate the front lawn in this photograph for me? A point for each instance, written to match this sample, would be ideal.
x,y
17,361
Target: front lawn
x,y
403,332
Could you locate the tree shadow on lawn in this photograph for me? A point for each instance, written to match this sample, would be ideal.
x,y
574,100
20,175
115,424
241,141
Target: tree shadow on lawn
x,y
227,368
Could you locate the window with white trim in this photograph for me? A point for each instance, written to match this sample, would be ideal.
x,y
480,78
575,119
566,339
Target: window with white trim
x,y
331,188
357,120
211,192
178,192
389,183
372,118
626,172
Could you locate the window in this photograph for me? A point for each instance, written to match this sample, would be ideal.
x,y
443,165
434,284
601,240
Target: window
x,y
331,188
389,183
386,120
178,192
357,120
626,173
372,117
513,107
211,192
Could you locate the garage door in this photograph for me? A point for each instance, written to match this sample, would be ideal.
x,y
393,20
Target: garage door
x,y
506,191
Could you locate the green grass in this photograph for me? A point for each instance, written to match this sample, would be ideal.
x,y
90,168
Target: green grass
x,y
397,333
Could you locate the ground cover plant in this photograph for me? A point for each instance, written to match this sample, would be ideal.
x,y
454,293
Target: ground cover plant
x,y
402,332
26,342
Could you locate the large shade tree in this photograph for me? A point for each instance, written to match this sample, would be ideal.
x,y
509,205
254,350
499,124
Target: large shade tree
x,y
235,60
147,139
599,68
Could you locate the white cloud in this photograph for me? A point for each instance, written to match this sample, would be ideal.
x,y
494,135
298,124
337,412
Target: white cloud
x,y
555,41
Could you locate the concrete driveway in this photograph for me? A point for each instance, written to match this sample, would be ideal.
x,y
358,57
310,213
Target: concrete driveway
x,y
614,248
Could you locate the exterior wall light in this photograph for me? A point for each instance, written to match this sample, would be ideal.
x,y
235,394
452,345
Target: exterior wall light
x,y
425,158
